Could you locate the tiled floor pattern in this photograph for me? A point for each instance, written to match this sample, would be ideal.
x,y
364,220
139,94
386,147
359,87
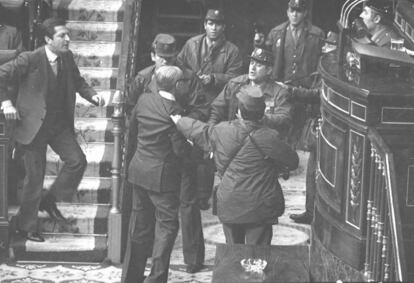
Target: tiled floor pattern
x,y
285,233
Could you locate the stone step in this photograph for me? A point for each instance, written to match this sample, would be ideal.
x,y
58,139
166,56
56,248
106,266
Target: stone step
x,y
95,31
90,189
93,130
102,78
96,54
85,109
81,219
90,10
98,155
62,247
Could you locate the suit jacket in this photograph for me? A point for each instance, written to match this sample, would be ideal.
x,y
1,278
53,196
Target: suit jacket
x,y
30,69
156,164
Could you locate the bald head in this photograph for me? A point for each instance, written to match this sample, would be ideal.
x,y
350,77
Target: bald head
x,y
167,77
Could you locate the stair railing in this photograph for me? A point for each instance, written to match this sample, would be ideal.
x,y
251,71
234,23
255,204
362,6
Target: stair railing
x,y
384,255
126,71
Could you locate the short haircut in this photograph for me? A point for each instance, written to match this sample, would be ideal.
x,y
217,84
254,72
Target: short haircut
x,y
167,77
250,115
47,28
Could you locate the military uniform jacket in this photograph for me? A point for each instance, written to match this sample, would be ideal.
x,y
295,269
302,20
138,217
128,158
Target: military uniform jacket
x,y
140,84
156,164
278,108
30,69
247,192
304,56
223,62
383,36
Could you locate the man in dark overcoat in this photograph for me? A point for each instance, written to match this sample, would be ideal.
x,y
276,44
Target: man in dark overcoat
x,y
213,61
44,109
248,157
155,171
297,46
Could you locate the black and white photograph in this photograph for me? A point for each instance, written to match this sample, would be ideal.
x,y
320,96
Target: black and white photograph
x,y
198,141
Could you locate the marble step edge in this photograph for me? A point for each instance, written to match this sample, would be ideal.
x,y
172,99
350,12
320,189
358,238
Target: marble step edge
x,y
94,152
100,77
61,247
99,158
80,219
92,31
90,190
96,124
98,72
80,210
96,54
95,48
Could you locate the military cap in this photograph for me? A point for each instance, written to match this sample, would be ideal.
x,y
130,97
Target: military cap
x,y
298,4
263,56
215,15
252,98
164,45
384,7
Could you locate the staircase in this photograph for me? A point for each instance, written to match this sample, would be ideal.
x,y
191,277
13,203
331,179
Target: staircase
x,y
96,31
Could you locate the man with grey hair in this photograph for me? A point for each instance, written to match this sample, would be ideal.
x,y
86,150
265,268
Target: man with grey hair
x,y
155,172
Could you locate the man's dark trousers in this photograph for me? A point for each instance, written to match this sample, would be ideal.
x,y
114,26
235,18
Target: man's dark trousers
x,y
56,133
153,214
190,216
248,233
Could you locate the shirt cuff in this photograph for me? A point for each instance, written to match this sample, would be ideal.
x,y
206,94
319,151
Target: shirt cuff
x,y
6,103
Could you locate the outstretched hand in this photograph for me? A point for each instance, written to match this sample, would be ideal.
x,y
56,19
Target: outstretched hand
x,y
10,112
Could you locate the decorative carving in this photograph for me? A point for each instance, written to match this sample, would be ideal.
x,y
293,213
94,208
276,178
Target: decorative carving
x,y
356,178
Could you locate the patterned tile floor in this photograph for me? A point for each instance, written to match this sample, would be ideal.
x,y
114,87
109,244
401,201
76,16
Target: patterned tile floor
x,y
285,233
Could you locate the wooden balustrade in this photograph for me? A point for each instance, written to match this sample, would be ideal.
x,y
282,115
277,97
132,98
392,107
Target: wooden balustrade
x,y
119,215
384,256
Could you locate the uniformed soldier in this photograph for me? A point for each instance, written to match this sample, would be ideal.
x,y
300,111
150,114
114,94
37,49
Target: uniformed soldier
x,y
377,16
163,52
213,61
278,110
297,47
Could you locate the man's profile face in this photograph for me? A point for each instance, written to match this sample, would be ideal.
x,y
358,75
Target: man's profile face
x,y
370,18
258,72
162,61
214,30
296,16
60,41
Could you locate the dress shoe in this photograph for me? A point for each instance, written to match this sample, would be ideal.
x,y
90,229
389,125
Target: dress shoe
x,y
203,204
48,204
32,236
193,268
303,218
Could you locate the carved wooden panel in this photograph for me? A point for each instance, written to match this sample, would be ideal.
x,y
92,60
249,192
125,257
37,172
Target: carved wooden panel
x,y
355,179
331,167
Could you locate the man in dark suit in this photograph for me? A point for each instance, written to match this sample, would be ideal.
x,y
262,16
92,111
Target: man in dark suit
x,y
155,171
44,109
